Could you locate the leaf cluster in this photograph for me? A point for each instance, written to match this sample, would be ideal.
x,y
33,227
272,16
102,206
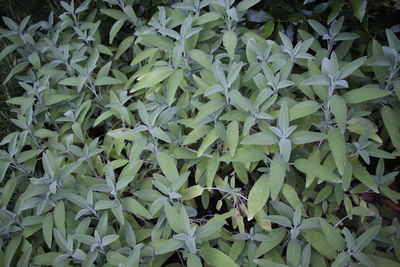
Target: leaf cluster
x,y
189,138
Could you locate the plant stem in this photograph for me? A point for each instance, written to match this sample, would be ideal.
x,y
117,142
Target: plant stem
x,y
226,191
92,168
339,222
389,81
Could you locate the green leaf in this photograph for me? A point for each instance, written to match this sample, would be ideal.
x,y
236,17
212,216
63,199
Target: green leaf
x,y
8,191
362,211
312,168
107,81
350,67
215,257
268,29
115,29
281,220
105,204
145,54
17,69
341,259
316,80
196,134
114,258
230,41
34,57
337,145
336,7
114,13
364,94
275,237
56,98
293,254
160,42
278,171
345,36
45,258
10,250
239,100
76,128
83,238
47,229
318,27
339,110
303,109
3,169
124,134
232,137
392,125
123,46
333,237
168,165
173,83
323,194
261,139
361,173
285,147
305,137
105,115
208,109
361,257
173,218
25,258
210,228
70,81
383,261
27,155
163,246
132,205
212,168
247,154
124,181
394,42
291,196
143,114
202,58
206,18
245,5
7,50
366,238
319,242
192,192
59,217
359,8
210,138
108,239
153,78
194,261
283,118
157,132
258,196
104,50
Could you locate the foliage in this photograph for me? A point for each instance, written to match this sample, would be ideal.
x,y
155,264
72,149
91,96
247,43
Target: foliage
x,y
188,136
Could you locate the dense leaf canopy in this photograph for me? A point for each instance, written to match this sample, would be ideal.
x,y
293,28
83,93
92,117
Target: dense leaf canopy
x,y
201,133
